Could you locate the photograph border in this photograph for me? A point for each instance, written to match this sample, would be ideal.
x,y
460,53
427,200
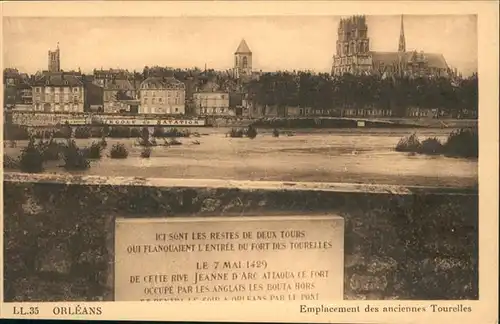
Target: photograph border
x,y
483,311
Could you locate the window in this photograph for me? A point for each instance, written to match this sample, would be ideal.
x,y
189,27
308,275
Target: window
x,y
176,109
75,89
37,90
153,100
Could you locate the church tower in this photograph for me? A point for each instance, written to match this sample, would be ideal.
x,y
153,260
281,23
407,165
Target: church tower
x,y
55,60
402,50
352,47
242,60
402,40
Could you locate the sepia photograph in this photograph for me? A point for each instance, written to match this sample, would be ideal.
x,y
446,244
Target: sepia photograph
x,y
277,158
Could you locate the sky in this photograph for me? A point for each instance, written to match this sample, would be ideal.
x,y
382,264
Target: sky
x,y
277,42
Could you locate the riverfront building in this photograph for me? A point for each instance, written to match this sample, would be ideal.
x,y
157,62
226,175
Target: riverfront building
x,y
162,96
212,103
58,92
353,54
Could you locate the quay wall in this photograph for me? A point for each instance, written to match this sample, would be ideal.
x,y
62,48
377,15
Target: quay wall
x,y
400,242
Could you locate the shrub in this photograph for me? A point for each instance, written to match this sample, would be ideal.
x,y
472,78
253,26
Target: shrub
x,y
234,132
276,133
145,139
146,152
105,130
431,146
66,131
135,132
463,143
95,150
118,151
97,132
174,132
31,160
50,150
83,132
251,132
74,158
409,144
15,132
120,132
10,162
103,143
158,131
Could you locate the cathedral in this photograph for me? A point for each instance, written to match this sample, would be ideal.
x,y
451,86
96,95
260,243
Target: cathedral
x,y
353,54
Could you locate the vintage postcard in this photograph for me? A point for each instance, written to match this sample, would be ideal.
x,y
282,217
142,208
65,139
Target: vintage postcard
x,y
283,161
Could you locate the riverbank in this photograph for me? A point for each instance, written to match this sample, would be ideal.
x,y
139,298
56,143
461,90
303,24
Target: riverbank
x,y
340,122
318,155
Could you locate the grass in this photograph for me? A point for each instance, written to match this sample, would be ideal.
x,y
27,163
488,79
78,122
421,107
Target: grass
x,y
118,151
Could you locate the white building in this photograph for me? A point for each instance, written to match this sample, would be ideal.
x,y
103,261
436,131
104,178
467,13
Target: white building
x,y
162,96
212,103
57,92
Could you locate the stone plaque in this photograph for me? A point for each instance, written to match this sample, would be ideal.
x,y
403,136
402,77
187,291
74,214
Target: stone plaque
x,y
271,258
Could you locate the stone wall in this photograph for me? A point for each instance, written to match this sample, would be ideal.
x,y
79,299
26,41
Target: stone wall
x,y
400,243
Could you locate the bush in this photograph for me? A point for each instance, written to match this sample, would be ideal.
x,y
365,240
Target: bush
x,y
276,133
234,132
50,150
103,143
118,151
145,139
83,132
120,132
462,143
431,146
31,160
158,131
174,132
66,131
74,158
10,162
409,144
15,132
146,152
97,132
251,132
135,132
95,150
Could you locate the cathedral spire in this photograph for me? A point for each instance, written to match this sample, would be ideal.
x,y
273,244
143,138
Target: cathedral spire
x,y
402,41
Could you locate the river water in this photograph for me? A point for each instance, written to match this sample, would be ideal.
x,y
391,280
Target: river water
x,y
340,155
